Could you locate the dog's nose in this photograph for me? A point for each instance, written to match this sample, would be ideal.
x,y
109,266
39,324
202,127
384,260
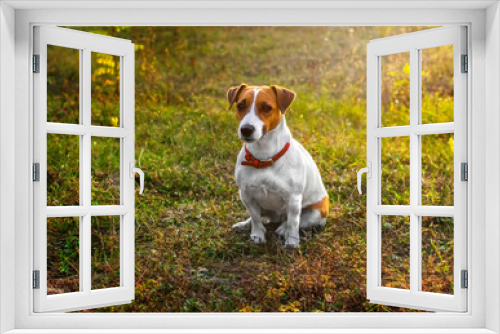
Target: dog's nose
x,y
247,130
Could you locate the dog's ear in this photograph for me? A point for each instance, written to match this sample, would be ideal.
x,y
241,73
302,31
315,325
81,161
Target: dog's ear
x,y
233,92
284,97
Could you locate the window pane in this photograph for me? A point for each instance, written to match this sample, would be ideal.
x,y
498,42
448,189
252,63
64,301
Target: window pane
x,y
395,158
437,84
105,252
63,85
105,171
105,89
396,251
63,258
63,165
437,169
395,80
437,254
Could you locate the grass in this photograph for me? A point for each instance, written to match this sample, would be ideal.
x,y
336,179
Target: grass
x,y
187,257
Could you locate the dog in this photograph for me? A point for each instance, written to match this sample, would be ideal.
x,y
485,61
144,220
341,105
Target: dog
x,y
278,180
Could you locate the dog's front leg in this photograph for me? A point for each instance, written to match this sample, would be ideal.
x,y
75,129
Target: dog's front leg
x,y
258,232
290,229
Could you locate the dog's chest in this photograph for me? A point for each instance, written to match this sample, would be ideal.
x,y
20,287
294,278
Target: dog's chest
x,y
263,187
267,198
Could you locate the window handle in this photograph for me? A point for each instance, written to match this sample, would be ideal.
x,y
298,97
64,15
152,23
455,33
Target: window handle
x,y
368,171
134,170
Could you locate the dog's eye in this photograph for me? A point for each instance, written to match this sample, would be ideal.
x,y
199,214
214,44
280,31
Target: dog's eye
x,y
266,108
241,105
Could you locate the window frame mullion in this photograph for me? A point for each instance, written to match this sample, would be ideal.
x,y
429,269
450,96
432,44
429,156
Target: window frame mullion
x,y
85,174
415,173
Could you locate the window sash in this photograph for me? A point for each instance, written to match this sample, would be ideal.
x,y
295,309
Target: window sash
x,y
86,297
414,297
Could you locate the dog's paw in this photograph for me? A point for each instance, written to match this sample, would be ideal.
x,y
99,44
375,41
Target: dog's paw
x,y
292,238
258,239
242,226
258,234
292,242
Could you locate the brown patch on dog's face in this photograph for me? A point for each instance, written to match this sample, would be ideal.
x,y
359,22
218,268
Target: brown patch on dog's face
x,y
268,109
244,102
270,105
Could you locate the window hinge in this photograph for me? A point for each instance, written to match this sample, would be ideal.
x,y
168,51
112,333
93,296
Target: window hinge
x,y
36,279
465,279
36,63
464,171
36,172
465,64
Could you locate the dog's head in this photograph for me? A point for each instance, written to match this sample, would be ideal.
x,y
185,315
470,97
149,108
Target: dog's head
x,y
258,108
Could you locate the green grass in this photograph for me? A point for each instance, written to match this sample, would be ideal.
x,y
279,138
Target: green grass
x,y
187,257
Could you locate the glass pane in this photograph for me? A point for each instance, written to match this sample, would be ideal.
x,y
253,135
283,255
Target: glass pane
x,y
63,85
437,169
437,254
395,158
105,89
396,251
105,252
395,80
63,163
437,84
63,259
105,171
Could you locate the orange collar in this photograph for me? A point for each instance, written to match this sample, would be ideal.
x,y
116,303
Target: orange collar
x,y
251,161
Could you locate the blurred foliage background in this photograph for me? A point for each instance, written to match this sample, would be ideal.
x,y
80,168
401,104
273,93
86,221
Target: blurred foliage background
x,y
187,257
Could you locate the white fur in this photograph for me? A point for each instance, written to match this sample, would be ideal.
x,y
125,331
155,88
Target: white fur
x,y
251,118
280,192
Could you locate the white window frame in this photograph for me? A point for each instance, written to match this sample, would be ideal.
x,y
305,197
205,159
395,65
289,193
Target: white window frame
x,y
483,131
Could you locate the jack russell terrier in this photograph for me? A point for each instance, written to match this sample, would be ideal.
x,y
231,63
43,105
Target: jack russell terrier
x,y
277,178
